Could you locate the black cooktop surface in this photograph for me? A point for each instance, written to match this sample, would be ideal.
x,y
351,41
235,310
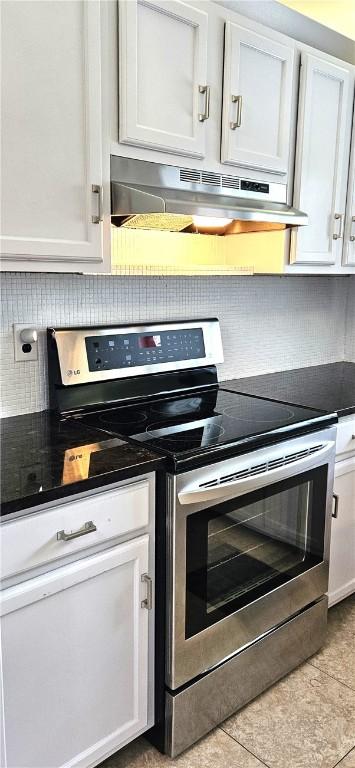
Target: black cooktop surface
x,y
202,422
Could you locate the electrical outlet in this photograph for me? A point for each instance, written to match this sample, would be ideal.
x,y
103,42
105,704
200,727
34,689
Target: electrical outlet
x,y
24,350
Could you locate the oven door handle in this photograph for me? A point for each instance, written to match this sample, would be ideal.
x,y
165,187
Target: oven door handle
x,y
196,494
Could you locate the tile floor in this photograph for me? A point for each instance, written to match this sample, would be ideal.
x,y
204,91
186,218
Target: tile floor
x,y
307,720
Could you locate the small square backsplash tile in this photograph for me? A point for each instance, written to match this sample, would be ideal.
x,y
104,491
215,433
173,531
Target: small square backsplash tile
x,y
350,322
268,323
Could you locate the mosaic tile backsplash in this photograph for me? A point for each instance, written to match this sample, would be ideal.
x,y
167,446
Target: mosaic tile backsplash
x,y
268,323
350,322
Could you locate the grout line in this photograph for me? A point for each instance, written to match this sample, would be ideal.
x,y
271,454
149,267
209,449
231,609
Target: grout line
x,y
344,756
332,677
262,762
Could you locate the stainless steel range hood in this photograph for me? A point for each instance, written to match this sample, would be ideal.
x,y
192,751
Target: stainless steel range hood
x,y
142,191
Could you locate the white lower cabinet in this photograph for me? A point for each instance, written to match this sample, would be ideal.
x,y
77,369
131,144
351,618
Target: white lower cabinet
x,y
75,660
342,543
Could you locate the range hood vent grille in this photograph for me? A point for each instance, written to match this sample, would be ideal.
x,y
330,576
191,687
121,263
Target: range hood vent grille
x,y
232,182
191,175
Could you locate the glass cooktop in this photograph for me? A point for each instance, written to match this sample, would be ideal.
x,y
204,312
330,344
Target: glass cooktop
x,y
201,421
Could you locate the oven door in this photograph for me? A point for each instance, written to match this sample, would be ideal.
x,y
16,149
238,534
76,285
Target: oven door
x,y
248,548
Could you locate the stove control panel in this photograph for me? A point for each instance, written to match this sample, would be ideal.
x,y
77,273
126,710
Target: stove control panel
x,y
129,350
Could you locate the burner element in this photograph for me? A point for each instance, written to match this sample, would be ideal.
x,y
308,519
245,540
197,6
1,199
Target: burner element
x,y
260,412
174,408
122,416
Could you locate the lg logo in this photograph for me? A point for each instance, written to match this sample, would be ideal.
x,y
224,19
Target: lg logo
x,y
73,373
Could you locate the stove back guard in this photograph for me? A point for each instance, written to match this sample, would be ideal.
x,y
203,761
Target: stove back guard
x,y
74,386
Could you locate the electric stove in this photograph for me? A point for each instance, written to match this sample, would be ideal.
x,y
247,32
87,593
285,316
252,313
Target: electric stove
x,y
243,522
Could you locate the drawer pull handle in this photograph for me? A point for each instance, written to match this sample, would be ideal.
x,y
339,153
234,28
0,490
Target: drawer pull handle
x,y
88,527
336,504
148,601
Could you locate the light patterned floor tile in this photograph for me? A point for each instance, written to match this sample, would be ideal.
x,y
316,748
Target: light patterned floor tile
x,y
348,761
217,750
307,720
337,657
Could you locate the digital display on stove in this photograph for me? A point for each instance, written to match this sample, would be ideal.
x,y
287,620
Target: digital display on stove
x,y
149,341
114,351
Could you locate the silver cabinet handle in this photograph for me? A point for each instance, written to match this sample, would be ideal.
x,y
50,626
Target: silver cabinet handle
x,y
238,100
148,601
338,235
336,505
97,190
205,89
88,527
352,237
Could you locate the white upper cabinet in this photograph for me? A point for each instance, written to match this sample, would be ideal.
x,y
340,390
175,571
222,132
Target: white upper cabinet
x,y
78,689
51,136
163,88
322,158
349,228
257,99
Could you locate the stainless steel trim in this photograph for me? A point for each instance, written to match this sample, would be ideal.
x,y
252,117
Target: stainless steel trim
x,y
148,601
190,657
338,235
336,505
139,186
205,89
204,704
238,121
88,527
352,237
197,494
98,190
73,357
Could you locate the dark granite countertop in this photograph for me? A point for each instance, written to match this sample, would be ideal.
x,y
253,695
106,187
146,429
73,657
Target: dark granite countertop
x,y
43,459
328,387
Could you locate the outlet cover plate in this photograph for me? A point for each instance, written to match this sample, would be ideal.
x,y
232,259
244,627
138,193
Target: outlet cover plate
x,y
21,356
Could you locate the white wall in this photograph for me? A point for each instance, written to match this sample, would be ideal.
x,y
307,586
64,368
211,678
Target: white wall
x,y
268,323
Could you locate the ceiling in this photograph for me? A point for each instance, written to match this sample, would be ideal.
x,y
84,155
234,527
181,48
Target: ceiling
x,y
336,14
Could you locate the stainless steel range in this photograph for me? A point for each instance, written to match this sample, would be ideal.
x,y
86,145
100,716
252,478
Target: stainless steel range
x,y
247,510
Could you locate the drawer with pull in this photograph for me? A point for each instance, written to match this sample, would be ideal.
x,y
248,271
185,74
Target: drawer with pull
x,y
49,535
345,436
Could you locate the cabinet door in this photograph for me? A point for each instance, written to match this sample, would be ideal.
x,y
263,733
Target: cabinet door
x,y
322,157
163,64
51,134
349,229
75,660
342,542
257,93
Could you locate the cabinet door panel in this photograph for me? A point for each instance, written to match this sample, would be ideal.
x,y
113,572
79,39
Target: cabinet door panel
x,y
159,81
349,229
51,135
260,72
75,653
323,137
342,543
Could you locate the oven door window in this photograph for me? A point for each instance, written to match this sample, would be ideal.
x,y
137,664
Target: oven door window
x,y
243,548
